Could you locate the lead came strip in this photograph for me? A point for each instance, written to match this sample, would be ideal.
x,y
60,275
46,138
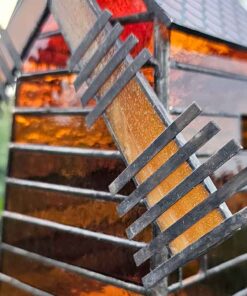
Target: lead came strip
x,y
5,69
168,167
115,61
197,176
159,143
121,82
200,247
189,219
89,39
110,39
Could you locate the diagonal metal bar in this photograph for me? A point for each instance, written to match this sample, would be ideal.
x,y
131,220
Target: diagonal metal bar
x,y
200,247
89,39
11,48
3,96
22,286
159,143
110,39
114,62
197,176
121,82
168,167
188,220
6,71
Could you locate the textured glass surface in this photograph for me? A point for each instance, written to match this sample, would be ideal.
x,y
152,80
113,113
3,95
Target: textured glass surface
x,y
6,289
213,94
79,211
56,281
244,131
189,49
47,54
90,253
136,125
61,131
47,91
77,171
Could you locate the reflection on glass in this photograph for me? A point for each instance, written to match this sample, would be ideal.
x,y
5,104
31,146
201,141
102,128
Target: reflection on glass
x,y
213,94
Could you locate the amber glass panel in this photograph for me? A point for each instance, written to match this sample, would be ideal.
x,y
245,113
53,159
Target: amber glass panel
x,y
79,211
47,54
56,281
77,171
213,94
190,49
6,289
47,91
61,131
77,250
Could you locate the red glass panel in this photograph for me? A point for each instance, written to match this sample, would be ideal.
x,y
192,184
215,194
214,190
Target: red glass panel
x,y
123,7
47,54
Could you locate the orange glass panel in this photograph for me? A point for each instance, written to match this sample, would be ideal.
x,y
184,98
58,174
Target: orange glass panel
x,y
47,54
77,171
61,131
47,91
190,49
78,211
6,289
47,278
85,252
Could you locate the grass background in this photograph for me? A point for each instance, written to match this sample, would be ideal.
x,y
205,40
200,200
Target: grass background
x,y
5,121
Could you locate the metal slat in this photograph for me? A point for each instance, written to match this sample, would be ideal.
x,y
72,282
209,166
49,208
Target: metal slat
x,y
168,167
50,111
74,230
75,269
89,38
196,177
200,247
92,153
100,195
22,286
103,49
159,143
114,62
189,219
6,72
119,84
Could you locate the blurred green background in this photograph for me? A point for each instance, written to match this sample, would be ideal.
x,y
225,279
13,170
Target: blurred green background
x,y
5,121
